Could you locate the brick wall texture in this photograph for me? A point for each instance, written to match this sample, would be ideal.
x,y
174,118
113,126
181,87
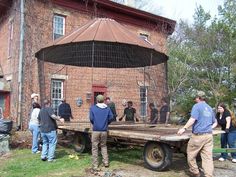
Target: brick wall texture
x,y
120,83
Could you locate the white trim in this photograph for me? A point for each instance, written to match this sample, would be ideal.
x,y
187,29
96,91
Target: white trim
x,y
60,12
10,37
57,99
8,77
59,77
141,102
63,24
141,83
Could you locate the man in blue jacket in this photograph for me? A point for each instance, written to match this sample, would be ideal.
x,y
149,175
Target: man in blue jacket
x,y
100,117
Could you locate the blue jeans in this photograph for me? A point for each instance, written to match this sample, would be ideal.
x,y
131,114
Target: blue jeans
x,y
35,133
49,145
232,142
228,139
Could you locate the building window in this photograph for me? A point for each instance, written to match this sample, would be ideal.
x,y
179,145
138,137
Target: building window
x,y
10,39
119,1
144,36
58,26
56,93
143,101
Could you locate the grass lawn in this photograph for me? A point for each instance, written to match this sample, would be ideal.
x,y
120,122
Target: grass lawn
x,y
21,162
217,141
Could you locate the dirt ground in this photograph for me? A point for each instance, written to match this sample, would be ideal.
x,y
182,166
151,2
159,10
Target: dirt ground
x,y
179,167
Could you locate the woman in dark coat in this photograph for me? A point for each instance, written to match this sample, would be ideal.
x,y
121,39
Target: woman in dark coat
x,y
224,119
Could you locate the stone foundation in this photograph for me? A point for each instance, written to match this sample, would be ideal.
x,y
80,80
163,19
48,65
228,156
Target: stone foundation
x,y
4,144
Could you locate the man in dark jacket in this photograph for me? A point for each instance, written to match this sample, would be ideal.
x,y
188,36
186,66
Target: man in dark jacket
x,y
153,113
112,106
164,111
64,110
100,117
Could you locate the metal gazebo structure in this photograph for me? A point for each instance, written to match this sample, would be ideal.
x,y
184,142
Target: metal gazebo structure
x,y
105,46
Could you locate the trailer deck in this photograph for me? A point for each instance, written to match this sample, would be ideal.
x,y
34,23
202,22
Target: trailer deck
x,y
159,141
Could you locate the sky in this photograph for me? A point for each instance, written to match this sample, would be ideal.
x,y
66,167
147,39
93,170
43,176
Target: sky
x,y
183,9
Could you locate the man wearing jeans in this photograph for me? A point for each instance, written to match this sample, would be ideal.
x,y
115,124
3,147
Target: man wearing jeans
x,y
100,116
48,127
202,121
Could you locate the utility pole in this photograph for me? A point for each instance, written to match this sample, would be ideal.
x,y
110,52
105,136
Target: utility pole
x,y
21,63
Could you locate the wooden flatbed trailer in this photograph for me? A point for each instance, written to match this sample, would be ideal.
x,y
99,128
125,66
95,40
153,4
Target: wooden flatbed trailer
x,y
159,141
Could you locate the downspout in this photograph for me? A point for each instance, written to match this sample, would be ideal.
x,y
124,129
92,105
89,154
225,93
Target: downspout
x,y
20,68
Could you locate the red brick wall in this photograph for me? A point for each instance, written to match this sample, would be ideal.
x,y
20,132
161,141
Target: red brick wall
x,y
121,83
10,64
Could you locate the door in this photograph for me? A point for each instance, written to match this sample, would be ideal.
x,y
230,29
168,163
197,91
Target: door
x,y
5,104
98,90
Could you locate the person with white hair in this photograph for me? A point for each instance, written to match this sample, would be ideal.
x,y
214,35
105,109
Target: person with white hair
x,y
35,98
33,122
34,128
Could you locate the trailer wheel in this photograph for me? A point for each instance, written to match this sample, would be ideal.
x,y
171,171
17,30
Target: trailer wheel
x,y
81,142
157,156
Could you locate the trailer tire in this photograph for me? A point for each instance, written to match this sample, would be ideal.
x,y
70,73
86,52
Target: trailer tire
x,y
157,156
81,142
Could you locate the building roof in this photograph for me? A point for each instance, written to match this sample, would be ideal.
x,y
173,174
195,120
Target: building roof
x,y
121,13
137,13
110,9
4,5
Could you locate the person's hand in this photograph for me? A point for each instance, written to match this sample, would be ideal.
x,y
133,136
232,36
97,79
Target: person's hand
x,y
181,131
226,130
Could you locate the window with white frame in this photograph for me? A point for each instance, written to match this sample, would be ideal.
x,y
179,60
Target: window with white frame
x,y
119,1
144,36
56,93
10,38
58,26
143,101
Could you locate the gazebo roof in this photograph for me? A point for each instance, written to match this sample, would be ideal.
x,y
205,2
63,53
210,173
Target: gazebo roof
x,y
102,39
104,30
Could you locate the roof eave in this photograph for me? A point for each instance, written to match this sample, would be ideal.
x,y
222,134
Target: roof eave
x,y
137,13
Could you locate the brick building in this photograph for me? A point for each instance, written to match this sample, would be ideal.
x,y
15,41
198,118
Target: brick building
x,y
26,26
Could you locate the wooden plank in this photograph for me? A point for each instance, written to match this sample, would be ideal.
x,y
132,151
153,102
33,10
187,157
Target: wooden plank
x,y
134,135
175,137
137,131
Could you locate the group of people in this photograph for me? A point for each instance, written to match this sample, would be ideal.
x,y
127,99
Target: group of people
x,y
164,113
43,125
103,113
131,115
203,120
